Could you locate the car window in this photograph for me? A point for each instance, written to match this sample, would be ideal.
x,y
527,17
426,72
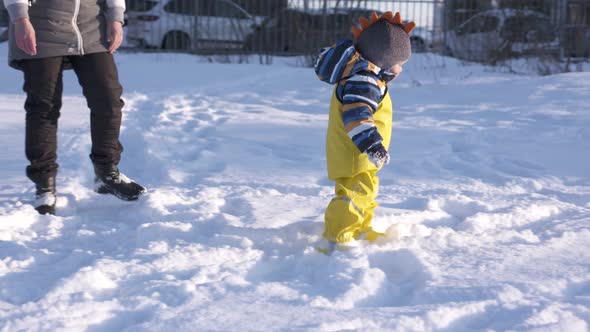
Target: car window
x,y
219,8
471,26
206,7
141,5
227,9
479,24
522,29
489,24
270,22
574,13
543,27
513,29
184,7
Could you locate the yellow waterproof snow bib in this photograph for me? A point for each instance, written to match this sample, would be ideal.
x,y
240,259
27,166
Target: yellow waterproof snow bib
x,y
350,213
344,158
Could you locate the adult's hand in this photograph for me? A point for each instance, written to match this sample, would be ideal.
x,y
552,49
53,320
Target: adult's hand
x,y
24,34
114,35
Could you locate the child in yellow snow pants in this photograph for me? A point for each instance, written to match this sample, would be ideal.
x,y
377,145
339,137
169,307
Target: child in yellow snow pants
x,y
359,128
350,213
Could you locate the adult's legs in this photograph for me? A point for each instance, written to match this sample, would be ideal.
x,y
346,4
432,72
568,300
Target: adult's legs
x,y
98,76
43,86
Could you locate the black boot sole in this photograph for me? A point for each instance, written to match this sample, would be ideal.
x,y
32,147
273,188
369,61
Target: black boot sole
x,y
46,209
106,191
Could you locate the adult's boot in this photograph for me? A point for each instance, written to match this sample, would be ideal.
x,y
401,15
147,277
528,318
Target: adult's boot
x,y
45,196
109,180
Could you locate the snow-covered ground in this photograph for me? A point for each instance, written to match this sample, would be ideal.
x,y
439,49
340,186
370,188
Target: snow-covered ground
x,y
486,204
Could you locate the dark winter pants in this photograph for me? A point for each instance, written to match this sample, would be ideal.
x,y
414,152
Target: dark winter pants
x,y
97,74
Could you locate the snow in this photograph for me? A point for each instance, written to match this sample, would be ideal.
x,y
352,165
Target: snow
x,y
486,206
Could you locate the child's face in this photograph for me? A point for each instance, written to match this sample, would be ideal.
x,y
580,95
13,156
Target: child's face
x,y
397,69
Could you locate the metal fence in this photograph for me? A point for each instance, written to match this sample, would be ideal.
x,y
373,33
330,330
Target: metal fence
x,y
476,30
282,27
491,30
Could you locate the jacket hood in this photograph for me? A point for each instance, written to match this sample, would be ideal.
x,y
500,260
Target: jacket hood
x,y
343,61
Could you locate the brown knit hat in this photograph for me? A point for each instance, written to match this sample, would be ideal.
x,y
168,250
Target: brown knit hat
x,y
384,40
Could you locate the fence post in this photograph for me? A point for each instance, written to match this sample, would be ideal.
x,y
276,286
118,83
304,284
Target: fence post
x,y
562,16
438,24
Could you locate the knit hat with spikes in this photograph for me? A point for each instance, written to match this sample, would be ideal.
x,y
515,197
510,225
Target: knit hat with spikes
x,y
384,40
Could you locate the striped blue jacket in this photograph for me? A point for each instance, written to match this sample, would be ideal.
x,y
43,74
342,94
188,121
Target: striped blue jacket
x,y
361,86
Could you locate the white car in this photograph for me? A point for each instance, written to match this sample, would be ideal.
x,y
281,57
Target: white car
x,y
187,24
500,33
422,40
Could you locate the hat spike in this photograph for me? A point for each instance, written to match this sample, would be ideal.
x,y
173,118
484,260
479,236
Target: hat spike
x,y
374,17
388,16
409,27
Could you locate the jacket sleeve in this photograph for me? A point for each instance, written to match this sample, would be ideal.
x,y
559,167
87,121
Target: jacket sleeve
x,y
17,9
360,95
115,10
336,62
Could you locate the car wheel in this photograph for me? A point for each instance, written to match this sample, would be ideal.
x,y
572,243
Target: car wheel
x,y
176,40
418,44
